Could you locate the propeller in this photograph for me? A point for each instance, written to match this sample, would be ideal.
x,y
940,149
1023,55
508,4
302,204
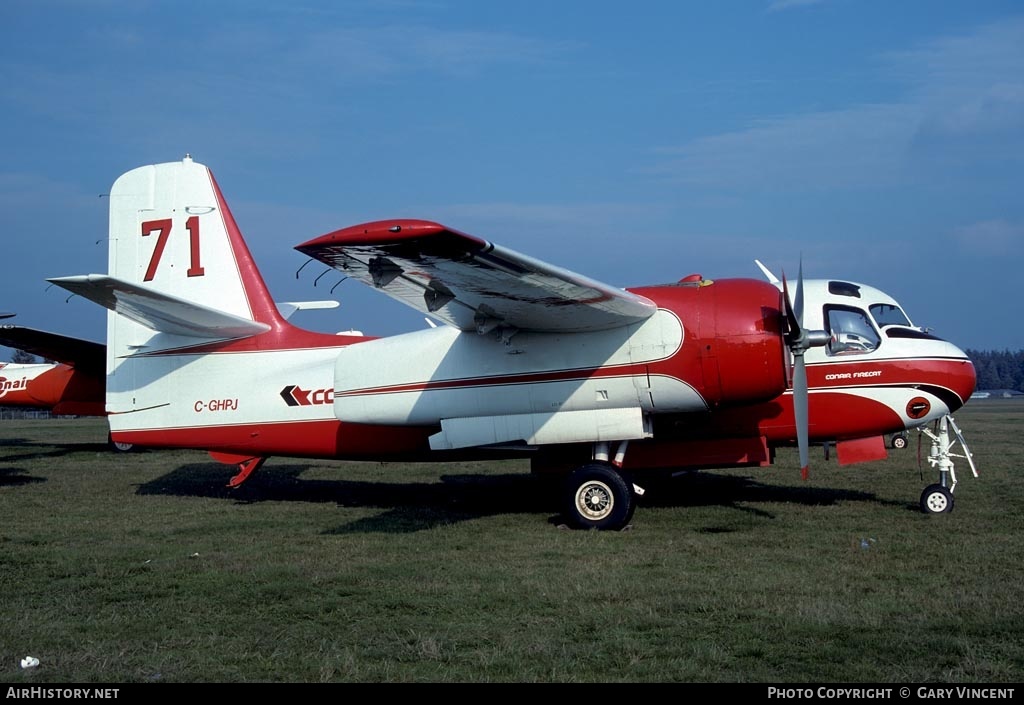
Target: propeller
x,y
800,340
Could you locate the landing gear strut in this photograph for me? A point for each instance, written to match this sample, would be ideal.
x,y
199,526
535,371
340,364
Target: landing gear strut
x,y
938,498
597,495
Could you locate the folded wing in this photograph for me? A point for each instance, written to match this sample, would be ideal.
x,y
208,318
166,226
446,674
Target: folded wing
x,y
471,283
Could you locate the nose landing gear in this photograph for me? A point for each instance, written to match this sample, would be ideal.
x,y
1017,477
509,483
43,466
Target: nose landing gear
x,y
938,498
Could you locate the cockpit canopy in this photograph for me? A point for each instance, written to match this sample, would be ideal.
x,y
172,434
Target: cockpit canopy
x,y
857,317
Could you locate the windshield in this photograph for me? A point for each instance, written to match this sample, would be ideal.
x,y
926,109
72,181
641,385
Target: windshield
x,y
851,331
889,315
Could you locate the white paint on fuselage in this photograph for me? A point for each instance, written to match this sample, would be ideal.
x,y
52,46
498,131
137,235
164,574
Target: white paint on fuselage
x,y
216,389
423,377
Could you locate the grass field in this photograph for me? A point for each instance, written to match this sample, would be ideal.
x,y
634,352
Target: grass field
x,y
144,567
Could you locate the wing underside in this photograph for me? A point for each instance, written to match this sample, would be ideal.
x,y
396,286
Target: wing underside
x,y
473,284
82,354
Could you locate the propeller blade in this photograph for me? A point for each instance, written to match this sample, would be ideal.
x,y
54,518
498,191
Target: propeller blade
x,y
800,410
798,304
799,340
792,322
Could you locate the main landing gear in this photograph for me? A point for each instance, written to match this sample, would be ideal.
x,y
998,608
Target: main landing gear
x,y
119,446
598,495
938,498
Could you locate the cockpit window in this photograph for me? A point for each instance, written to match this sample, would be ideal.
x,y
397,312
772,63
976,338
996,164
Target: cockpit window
x,y
844,289
889,315
851,330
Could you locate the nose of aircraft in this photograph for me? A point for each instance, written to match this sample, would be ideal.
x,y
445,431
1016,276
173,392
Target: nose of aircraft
x,y
962,378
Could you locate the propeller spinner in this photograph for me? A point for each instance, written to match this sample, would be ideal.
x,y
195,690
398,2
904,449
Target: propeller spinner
x,y
799,340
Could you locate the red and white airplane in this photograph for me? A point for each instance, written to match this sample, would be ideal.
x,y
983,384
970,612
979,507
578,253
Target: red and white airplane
x,y
604,385
73,385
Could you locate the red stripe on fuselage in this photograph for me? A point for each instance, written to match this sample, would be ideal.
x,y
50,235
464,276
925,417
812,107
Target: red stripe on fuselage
x,y
955,374
832,415
325,438
617,371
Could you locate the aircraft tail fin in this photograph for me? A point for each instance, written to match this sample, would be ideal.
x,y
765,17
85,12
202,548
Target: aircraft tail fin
x,y
177,264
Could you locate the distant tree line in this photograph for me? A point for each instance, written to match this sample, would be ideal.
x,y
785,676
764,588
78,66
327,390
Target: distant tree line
x,y
22,357
998,369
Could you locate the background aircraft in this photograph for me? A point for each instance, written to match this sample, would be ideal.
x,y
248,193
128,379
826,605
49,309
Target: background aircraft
x,y
72,385
603,386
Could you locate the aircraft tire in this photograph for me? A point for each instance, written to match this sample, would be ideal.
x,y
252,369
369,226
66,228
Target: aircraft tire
x,y
120,447
597,496
936,499
899,441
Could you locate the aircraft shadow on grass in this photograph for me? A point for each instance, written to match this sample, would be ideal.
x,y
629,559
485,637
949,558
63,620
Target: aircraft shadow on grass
x,y
21,449
13,477
415,506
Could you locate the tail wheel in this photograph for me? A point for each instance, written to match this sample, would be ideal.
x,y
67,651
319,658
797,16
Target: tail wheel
x,y
598,497
936,499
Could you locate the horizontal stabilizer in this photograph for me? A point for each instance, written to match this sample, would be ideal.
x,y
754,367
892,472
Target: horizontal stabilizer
x,y
158,311
287,308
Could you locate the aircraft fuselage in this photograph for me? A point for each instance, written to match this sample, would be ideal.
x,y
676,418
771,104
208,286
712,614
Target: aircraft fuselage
x,y
711,365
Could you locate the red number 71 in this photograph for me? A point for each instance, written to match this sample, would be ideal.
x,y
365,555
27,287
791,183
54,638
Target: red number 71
x,y
163,228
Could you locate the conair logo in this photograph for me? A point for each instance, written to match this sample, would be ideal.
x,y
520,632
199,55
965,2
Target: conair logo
x,y
294,395
10,385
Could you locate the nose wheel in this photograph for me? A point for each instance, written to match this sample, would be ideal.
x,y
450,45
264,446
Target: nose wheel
x,y
936,499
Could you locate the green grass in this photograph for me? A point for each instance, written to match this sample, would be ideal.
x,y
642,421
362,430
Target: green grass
x,y
144,567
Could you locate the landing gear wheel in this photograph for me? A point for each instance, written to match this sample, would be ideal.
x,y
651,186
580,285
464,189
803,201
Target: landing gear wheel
x,y
120,446
936,499
899,441
598,497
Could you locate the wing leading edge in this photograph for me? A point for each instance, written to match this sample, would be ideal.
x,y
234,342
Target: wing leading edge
x,y
471,283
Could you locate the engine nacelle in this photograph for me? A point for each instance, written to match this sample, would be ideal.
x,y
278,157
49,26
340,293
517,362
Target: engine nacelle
x,y
735,352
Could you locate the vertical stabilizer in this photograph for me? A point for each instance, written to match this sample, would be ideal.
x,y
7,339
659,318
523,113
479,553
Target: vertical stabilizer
x,y
172,232
197,352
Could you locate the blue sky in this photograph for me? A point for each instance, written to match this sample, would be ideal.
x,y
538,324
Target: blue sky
x,y
635,143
